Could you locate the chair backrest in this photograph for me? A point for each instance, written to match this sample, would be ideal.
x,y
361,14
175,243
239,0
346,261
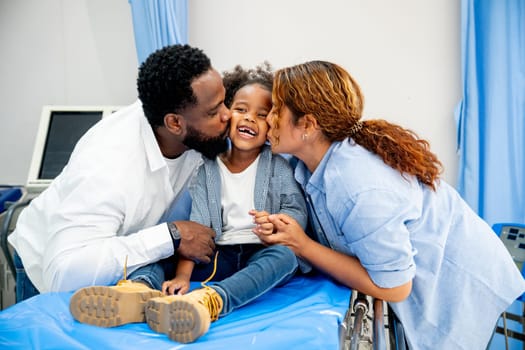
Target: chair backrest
x,y
8,195
513,237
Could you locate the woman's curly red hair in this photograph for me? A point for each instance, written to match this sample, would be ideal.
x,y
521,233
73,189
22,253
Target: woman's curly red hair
x,y
328,92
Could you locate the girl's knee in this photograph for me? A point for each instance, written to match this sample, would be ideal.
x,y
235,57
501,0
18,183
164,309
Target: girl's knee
x,y
284,253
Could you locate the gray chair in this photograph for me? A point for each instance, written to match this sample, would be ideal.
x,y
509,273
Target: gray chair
x,y
6,230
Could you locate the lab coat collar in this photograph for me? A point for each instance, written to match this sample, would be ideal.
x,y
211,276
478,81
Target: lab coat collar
x,y
153,154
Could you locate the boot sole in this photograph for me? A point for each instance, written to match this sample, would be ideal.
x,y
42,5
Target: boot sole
x,y
180,319
109,307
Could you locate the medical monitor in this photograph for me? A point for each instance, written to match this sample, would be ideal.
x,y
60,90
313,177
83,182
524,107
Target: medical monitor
x,y
59,130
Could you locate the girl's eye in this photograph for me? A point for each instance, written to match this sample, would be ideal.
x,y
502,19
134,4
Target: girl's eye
x,y
239,110
262,115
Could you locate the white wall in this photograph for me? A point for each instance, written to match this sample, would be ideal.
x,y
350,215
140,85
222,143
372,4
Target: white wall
x,y
66,52
405,54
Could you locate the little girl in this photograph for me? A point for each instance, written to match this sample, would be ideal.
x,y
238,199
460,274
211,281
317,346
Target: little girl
x,y
244,181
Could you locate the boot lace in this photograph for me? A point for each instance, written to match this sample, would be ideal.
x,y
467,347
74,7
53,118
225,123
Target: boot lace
x,y
210,300
125,280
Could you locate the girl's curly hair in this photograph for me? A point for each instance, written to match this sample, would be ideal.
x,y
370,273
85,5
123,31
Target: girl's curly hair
x,y
240,77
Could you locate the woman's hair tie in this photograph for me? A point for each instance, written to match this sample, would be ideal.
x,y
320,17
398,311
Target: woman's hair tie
x,y
355,128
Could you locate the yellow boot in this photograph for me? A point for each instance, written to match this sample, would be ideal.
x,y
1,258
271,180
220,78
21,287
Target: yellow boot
x,y
111,306
184,318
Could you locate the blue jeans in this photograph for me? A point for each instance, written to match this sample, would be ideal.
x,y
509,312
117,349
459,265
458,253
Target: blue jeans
x,y
244,272
155,274
24,287
151,274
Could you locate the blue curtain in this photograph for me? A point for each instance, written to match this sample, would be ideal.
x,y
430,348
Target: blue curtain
x,y
158,23
491,116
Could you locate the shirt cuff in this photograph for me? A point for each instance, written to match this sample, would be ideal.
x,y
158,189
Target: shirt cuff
x,y
391,279
157,240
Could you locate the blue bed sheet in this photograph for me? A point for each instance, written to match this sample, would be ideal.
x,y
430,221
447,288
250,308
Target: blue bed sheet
x,y
303,314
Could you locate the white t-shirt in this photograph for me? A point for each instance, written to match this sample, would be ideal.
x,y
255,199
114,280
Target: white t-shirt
x,y
237,191
181,171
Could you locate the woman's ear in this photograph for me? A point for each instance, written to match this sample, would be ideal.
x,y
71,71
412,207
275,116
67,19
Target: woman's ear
x,y
174,123
310,123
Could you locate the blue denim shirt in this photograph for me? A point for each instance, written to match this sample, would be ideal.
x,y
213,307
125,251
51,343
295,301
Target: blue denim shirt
x,y
276,191
400,230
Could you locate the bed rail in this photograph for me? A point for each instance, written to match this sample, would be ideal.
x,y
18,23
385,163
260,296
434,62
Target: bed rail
x,y
364,327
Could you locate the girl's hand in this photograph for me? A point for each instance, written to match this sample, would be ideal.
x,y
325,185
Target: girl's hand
x,y
177,286
263,227
286,231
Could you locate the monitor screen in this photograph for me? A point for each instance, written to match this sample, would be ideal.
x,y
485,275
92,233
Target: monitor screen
x,y
60,129
65,129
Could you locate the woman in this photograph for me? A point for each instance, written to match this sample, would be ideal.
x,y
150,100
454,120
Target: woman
x,y
386,225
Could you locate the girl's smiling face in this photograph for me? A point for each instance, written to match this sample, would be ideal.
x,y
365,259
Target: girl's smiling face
x,y
250,106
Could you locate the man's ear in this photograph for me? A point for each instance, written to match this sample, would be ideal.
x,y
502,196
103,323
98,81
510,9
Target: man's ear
x,y
174,123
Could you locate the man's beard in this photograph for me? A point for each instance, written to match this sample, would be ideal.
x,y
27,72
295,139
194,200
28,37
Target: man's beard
x,y
210,147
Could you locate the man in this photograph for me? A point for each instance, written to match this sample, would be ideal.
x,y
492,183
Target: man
x,y
105,210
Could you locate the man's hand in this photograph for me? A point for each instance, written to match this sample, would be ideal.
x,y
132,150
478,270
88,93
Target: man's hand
x,y
196,241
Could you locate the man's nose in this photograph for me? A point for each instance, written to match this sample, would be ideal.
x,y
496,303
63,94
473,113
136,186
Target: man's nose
x,y
226,114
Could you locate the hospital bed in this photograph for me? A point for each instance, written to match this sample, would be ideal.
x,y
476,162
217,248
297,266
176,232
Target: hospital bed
x,y
309,312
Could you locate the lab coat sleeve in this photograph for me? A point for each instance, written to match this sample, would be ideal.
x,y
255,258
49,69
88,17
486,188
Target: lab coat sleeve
x,y
374,230
86,245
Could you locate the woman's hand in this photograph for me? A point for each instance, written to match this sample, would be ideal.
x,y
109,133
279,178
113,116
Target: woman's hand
x,y
286,231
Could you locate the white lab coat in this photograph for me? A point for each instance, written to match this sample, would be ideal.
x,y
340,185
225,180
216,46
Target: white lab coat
x,y
104,206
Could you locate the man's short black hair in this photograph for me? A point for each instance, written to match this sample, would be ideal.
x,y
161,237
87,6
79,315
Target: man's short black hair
x,y
164,80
